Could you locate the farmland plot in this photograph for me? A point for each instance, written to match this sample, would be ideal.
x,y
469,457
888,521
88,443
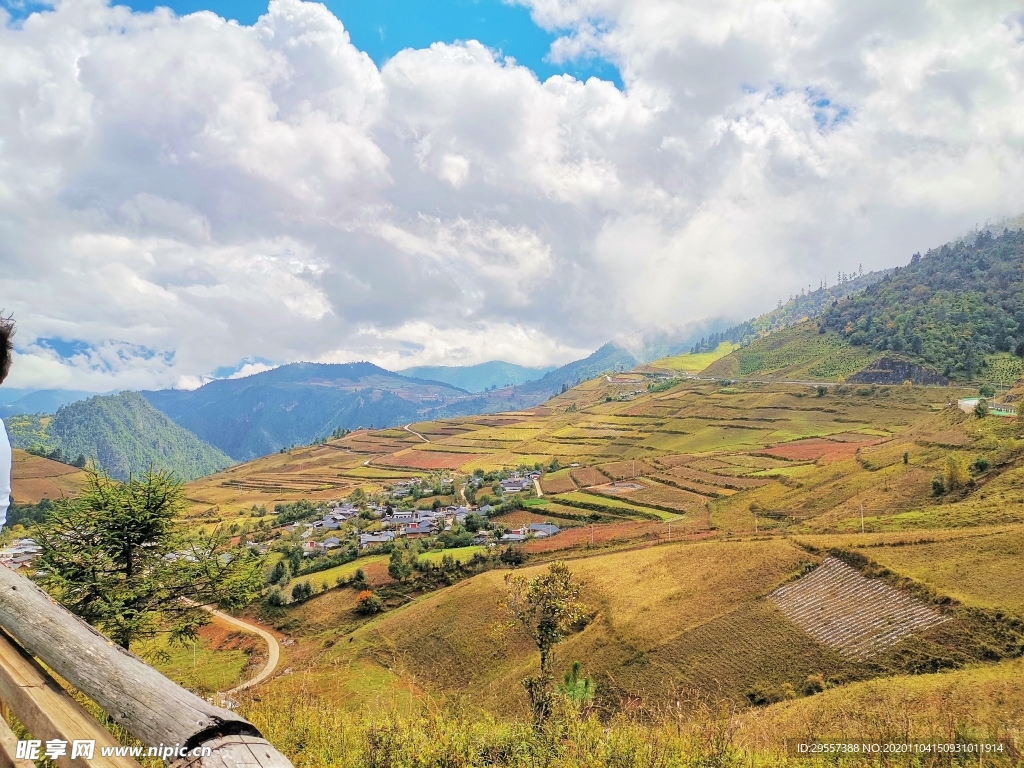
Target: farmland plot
x,y
672,498
815,449
557,482
711,491
585,477
857,616
621,470
713,478
429,460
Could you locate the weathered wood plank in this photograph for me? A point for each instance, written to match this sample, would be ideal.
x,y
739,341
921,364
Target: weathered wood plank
x,y
48,711
9,749
236,752
148,705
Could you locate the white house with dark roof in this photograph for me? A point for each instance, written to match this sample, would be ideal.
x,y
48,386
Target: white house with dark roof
x,y
373,539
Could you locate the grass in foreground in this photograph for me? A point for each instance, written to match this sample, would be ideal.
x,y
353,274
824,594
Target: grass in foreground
x,y
972,705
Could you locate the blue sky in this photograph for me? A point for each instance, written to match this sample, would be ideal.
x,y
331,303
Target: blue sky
x,y
382,28
181,199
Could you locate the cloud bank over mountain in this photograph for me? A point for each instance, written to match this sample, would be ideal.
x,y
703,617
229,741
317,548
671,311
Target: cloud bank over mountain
x,y
183,194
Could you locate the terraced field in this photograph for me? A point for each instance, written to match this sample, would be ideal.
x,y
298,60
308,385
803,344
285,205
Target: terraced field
x,y
856,616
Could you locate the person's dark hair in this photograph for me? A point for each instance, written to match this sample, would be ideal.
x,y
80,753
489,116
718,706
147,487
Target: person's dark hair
x,y
6,345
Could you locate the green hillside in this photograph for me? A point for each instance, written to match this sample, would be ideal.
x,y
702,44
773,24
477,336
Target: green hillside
x,y
126,435
800,352
958,309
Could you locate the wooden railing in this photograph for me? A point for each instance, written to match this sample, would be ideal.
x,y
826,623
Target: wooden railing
x,y
152,708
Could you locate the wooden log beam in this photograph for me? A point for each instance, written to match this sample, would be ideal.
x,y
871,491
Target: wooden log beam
x,y
49,712
152,708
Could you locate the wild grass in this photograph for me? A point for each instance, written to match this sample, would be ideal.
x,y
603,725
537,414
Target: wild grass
x,y
459,554
642,603
331,575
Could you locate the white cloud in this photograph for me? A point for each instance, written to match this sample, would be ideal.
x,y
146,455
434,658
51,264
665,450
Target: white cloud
x,y
418,343
181,195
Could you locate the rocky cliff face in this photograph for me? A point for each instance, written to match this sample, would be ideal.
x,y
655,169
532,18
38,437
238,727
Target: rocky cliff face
x,y
889,370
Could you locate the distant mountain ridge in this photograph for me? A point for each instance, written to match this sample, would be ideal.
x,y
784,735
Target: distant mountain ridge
x,y
42,401
478,378
298,403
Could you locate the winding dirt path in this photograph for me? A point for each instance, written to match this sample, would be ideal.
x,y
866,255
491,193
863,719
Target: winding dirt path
x,y
273,657
421,437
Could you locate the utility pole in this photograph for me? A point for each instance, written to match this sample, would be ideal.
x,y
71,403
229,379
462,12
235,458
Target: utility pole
x,y
755,521
591,534
862,517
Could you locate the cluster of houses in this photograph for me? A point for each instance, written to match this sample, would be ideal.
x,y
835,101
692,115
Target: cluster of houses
x,y
415,523
19,554
533,530
517,482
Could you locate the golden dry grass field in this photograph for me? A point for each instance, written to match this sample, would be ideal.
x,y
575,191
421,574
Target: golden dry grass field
x,y
34,478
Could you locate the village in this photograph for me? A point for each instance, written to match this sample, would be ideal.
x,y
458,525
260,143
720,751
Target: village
x,y
344,530
375,524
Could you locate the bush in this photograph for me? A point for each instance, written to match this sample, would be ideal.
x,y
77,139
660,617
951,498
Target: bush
x,y
814,684
981,408
369,603
938,486
955,475
302,591
981,464
513,556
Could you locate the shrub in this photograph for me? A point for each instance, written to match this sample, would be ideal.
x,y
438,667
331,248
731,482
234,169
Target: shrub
x,y
981,408
302,591
814,684
938,486
955,474
513,556
369,603
981,464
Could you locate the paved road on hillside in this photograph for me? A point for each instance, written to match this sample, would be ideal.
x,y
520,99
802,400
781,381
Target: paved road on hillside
x,y
536,487
273,657
421,437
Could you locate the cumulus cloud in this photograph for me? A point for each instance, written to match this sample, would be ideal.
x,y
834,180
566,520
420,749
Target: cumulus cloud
x,y
185,195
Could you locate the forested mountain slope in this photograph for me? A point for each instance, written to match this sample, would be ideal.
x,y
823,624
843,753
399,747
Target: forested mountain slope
x,y
958,308
126,435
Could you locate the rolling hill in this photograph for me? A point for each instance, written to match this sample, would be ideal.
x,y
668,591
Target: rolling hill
x,y
126,435
34,478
